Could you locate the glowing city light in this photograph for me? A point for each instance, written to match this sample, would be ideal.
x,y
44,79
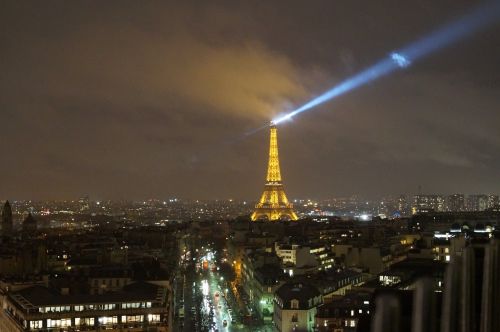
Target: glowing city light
x,y
467,25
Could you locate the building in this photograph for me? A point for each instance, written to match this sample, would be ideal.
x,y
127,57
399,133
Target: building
x,y
295,254
295,307
137,307
332,284
477,202
424,203
273,204
373,259
456,202
493,201
7,222
402,205
345,314
267,280
29,225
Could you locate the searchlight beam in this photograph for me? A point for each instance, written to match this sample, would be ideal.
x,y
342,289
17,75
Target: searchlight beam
x,y
464,27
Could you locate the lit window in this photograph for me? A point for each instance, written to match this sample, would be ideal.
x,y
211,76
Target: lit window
x,y
108,320
294,304
352,312
134,305
353,323
36,324
78,307
132,319
154,318
65,322
88,321
447,258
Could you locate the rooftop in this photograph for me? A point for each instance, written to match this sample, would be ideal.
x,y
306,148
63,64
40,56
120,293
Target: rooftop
x,y
38,296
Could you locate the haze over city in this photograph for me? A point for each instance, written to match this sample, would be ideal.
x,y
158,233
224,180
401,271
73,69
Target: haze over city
x,y
137,100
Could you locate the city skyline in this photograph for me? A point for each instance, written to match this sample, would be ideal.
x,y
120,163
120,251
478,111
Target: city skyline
x,y
135,102
249,166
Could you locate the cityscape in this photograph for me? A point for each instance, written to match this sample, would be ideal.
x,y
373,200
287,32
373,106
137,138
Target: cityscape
x,y
163,169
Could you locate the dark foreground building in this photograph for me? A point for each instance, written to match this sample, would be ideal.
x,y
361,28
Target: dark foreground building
x,y
138,307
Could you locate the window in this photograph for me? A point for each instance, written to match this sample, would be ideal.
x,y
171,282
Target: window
x,y
107,306
65,322
78,307
295,317
108,320
447,258
353,323
132,319
294,304
153,317
36,324
89,321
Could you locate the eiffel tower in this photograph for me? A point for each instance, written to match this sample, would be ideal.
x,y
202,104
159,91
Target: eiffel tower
x,y
273,204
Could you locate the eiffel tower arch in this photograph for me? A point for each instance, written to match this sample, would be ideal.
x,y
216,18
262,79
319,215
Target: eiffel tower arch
x,y
273,204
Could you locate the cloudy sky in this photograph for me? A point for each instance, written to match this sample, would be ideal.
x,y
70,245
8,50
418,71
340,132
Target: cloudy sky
x,y
141,99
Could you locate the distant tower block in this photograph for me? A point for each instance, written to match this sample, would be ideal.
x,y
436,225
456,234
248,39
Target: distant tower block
x,y
7,223
273,204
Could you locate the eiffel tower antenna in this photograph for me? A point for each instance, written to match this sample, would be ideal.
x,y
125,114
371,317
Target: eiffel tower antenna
x,y
273,204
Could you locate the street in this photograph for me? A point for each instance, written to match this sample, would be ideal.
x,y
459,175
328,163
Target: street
x,y
205,301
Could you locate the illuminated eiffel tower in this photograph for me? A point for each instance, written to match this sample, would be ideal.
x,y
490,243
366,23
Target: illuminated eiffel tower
x,y
273,203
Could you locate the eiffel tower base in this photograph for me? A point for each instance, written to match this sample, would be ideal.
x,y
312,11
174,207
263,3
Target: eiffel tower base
x,y
274,214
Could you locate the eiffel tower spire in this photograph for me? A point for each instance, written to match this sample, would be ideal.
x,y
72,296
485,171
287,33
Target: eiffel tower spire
x,y
273,203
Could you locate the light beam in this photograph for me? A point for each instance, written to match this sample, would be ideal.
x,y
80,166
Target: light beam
x,y
478,19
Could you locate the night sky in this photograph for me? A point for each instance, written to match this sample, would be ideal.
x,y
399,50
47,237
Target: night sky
x,y
150,99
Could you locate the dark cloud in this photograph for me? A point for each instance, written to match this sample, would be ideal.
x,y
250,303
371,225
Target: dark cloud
x,y
128,99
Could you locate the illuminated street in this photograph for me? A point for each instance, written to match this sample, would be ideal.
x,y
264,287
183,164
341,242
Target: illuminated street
x,y
206,301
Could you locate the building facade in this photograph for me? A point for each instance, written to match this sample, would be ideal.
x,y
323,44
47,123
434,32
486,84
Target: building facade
x,y
295,307
137,307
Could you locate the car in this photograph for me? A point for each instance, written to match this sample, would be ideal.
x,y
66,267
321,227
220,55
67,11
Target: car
x,y
217,294
224,323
